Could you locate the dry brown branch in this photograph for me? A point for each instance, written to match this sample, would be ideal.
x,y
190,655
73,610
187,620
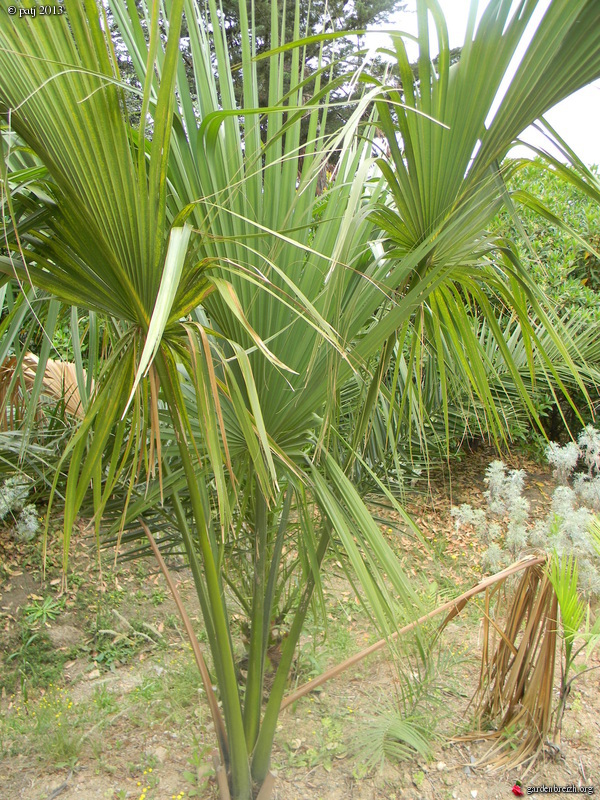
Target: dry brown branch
x,y
454,607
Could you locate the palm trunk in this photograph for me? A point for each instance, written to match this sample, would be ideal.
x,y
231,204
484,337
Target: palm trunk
x,y
221,649
261,759
259,625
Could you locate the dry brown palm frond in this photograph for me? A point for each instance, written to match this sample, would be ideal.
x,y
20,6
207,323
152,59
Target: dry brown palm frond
x,y
59,382
453,607
517,670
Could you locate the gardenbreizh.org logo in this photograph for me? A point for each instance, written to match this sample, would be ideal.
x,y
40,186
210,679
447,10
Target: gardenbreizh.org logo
x,y
519,791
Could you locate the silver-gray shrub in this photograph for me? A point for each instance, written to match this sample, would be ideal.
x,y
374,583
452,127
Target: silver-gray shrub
x,y
507,530
589,445
467,515
13,495
13,508
494,558
564,459
28,524
588,490
505,500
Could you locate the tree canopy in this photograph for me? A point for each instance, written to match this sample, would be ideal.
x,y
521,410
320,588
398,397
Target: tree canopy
x,y
313,18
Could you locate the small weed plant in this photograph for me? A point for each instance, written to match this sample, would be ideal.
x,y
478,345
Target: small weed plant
x,y
43,610
327,743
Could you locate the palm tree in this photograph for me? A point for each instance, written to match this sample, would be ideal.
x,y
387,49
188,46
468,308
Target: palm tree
x,y
245,298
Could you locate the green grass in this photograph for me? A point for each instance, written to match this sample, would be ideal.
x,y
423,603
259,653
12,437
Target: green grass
x,y
172,693
31,660
48,728
105,700
169,697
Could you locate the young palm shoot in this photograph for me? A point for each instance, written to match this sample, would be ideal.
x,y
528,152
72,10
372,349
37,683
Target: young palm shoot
x,y
564,575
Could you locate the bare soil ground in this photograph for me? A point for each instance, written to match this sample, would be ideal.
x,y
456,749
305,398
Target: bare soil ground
x,y
121,715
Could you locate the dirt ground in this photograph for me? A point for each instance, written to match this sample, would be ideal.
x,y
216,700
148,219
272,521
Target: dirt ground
x,y
134,740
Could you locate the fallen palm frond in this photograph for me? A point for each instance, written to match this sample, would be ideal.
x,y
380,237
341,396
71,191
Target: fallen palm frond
x,y
453,607
59,381
517,671
517,665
